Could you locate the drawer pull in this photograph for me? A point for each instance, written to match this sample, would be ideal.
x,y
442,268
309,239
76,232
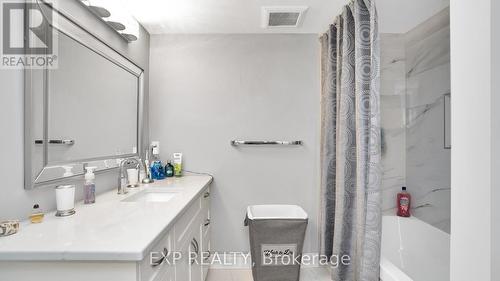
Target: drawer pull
x,y
160,260
196,246
196,249
206,195
208,255
207,222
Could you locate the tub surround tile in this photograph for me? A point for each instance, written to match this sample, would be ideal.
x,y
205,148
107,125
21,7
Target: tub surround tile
x,y
415,75
428,53
393,65
430,26
435,210
393,90
428,80
429,86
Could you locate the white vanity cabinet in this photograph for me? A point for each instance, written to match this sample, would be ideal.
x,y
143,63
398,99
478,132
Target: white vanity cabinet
x,y
205,234
158,267
189,238
188,235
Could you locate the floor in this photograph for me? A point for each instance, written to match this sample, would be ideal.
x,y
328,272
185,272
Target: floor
x,y
306,274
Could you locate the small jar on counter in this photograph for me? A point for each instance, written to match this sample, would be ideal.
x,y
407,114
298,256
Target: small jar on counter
x,y
36,215
65,200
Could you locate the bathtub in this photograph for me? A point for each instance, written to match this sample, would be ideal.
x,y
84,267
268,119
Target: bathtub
x,y
413,250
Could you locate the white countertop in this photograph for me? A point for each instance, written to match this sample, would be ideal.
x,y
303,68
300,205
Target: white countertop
x,y
107,230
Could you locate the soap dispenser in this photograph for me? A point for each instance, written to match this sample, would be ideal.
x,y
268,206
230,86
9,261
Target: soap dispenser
x,y
403,203
89,186
157,169
169,169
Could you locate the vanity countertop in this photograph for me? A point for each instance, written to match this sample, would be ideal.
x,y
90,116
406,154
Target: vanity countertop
x,y
109,230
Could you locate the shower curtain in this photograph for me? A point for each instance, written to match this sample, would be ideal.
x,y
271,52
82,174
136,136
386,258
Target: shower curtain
x,y
350,149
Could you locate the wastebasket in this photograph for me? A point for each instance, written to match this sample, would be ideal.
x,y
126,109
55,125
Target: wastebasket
x,y
276,240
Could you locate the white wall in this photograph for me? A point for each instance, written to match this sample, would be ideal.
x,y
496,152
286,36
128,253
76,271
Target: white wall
x,y
15,202
209,89
475,139
495,149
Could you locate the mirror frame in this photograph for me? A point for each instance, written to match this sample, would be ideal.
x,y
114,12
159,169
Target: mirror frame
x,y
69,27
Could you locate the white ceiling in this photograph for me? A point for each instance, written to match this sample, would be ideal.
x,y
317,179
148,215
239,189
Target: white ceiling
x,y
244,16
226,16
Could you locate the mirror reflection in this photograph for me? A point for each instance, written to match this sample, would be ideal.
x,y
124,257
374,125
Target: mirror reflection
x,y
85,111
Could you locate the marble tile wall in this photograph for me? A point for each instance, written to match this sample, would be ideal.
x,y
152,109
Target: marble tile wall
x,y
427,81
415,75
392,95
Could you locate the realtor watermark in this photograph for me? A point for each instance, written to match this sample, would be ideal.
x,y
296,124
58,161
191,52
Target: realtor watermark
x,y
28,39
242,259
307,260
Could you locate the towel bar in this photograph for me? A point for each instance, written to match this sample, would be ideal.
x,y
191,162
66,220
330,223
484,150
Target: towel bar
x,y
253,142
66,142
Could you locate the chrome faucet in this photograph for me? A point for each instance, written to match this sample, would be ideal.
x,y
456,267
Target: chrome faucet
x,y
122,175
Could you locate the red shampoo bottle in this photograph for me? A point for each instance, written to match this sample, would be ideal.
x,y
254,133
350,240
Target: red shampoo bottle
x,y
404,200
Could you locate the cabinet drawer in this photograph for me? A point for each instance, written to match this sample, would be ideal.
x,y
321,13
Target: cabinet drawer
x,y
157,261
205,199
166,273
189,216
183,265
202,203
205,212
205,249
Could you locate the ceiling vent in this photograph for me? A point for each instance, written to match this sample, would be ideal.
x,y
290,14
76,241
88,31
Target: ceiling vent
x,y
282,16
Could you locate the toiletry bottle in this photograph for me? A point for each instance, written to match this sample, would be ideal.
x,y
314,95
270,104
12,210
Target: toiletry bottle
x,y
157,171
178,164
147,168
169,169
403,202
36,215
89,186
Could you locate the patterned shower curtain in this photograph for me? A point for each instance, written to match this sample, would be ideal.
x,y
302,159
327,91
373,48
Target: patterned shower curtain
x,y
350,149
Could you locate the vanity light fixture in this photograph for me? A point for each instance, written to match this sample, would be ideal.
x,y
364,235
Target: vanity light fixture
x,y
114,14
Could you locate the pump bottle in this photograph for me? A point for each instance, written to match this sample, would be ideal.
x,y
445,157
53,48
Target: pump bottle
x,y
89,186
403,201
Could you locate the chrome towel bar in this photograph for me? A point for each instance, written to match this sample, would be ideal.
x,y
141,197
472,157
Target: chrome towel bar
x,y
66,142
252,142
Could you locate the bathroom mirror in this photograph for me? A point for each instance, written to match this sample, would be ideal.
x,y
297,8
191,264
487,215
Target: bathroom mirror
x,y
84,110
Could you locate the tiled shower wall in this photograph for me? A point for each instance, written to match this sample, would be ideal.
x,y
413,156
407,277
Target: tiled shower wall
x,y
415,76
392,96
427,81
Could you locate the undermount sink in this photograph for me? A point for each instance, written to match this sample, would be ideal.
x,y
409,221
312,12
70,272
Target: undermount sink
x,y
152,196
